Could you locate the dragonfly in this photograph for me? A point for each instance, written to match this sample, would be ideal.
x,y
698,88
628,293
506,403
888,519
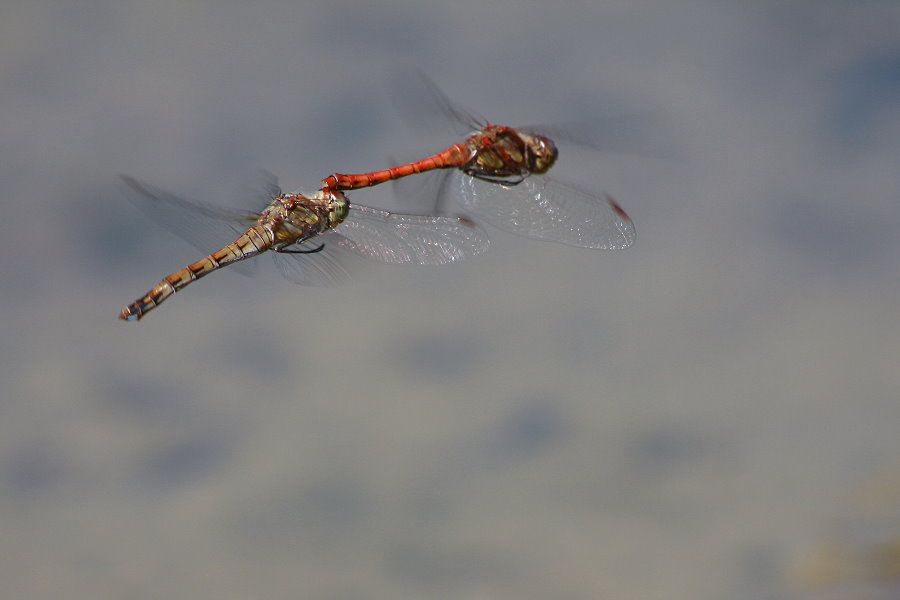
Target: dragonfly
x,y
498,174
310,236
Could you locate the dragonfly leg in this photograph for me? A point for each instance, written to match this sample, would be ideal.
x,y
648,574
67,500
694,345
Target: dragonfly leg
x,y
499,180
319,248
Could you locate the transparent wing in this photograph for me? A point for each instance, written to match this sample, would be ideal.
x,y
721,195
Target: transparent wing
x,y
262,190
422,103
207,227
538,207
421,192
544,209
409,239
388,237
327,267
644,134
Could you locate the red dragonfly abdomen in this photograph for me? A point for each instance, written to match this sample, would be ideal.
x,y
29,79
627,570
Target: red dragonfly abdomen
x,y
454,156
256,240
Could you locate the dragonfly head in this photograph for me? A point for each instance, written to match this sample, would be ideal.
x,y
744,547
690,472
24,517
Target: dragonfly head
x,y
541,153
338,207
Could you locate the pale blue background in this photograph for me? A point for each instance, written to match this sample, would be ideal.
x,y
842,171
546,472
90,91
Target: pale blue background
x,y
686,419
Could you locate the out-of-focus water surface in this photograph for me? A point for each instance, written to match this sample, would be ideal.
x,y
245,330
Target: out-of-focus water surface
x,y
711,414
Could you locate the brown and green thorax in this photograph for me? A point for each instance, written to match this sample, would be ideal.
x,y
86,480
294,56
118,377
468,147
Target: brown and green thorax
x,y
294,218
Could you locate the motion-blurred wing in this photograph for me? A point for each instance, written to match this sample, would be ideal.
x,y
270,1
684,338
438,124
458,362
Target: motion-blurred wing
x,y
410,239
207,227
327,267
544,209
422,103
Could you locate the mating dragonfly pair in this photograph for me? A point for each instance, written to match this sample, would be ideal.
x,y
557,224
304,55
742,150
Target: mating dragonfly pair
x,y
497,175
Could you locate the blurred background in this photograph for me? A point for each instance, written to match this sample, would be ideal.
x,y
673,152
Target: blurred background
x,y
711,414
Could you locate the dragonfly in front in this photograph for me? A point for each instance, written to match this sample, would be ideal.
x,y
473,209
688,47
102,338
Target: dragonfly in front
x,y
310,236
498,175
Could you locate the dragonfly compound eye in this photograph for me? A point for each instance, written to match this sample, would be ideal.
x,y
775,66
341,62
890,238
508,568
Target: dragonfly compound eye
x,y
542,154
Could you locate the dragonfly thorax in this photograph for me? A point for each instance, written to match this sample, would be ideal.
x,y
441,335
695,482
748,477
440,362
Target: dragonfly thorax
x,y
293,217
498,151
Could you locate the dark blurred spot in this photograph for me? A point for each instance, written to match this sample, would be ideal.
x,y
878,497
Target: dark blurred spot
x,y
835,235
862,93
185,461
31,469
527,431
446,356
664,449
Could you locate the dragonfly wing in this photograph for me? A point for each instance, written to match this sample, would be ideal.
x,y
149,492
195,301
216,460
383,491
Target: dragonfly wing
x,y
544,209
423,192
410,239
643,134
327,267
422,102
207,227
264,188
